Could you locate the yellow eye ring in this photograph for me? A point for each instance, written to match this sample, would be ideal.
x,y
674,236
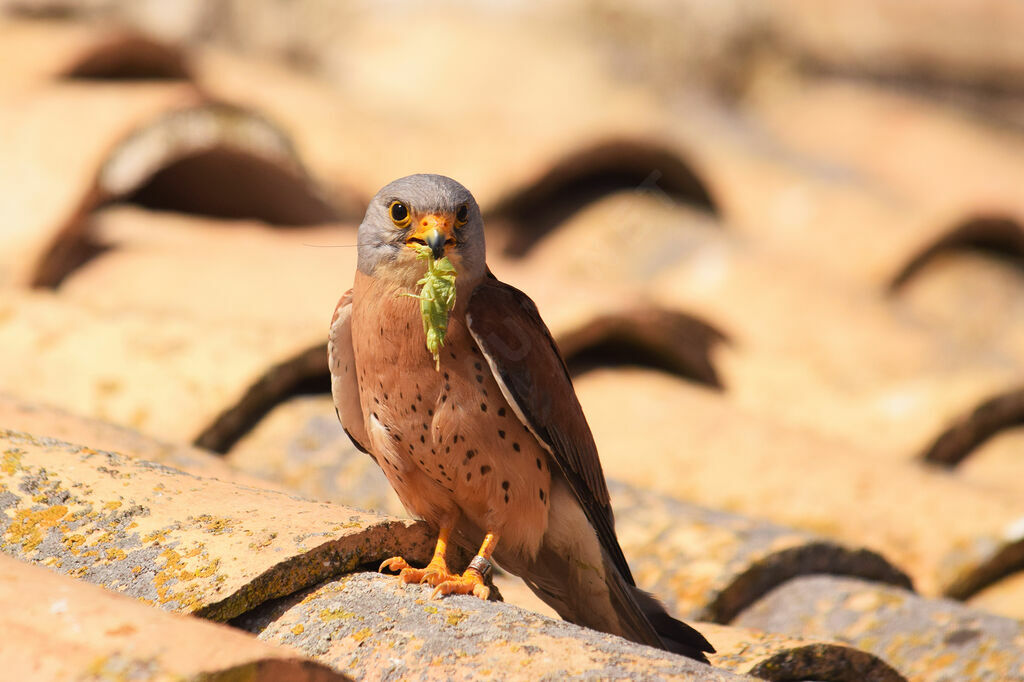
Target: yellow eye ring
x,y
461,215
399,214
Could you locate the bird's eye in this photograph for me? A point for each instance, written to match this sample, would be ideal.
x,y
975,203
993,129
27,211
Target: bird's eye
x,y
461,215
399,214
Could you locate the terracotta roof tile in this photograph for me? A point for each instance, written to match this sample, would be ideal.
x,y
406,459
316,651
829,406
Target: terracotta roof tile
x,y
368,626
732,459
55,165
59,629
18,415
224,271
36,51
175,540
771,656
921,638
563,78
129,366
299,444
1005,597
940,41
709,565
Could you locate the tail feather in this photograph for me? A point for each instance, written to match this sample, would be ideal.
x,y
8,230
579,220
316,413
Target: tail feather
x,y
676,636
576,575
622,610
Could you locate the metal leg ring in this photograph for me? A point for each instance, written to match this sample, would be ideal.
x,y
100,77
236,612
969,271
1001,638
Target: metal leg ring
x,y
481,566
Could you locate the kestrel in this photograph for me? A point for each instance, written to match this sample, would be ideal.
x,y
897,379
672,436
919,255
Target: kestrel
x,y
489,443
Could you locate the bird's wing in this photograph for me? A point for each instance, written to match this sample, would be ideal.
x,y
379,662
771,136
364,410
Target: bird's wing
x,y
344,381
533,377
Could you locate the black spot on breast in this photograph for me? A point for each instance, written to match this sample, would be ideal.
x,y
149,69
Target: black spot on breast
x,y
385,396
484,470
478,366
506,498
539,467
515,446
469,475
425,427
470,454
451,354
374,415
542,495
479,378
501,434
455,438
447,449
446,377
398,438
504,485
413,407
419,398
423,438
430,413
501,411
483,407
376,401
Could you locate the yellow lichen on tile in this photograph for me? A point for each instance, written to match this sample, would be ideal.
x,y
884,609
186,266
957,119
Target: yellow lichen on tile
x,y
328,615
28,526
11,462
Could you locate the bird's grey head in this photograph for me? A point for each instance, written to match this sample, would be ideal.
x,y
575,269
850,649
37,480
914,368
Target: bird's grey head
x,y
422,209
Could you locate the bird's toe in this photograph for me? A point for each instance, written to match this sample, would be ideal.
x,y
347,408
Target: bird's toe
x,y
469,582
395,563
434,573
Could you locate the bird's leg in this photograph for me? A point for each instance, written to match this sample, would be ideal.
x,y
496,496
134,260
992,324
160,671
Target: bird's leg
x,y
474,579
435,573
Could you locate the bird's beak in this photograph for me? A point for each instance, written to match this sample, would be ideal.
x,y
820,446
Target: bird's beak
x,y
435,231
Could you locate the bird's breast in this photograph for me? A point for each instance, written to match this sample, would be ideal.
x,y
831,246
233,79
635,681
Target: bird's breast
x,y
445,436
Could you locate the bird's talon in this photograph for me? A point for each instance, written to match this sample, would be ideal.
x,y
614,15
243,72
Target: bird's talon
x,y
395,563
434,573
469,582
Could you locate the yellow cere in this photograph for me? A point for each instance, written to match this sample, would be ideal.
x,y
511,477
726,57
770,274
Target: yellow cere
x,y
437,298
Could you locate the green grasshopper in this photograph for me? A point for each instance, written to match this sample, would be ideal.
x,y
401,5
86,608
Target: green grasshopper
x,y
437,298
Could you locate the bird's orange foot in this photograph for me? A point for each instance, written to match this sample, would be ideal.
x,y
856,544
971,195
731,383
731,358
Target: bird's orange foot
x,y
470,582
434,573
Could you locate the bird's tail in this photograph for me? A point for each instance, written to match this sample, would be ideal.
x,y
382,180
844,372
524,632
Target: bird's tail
x,y
676,636
623,609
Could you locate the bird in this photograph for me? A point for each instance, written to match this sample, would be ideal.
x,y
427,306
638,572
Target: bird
x,y
488,442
